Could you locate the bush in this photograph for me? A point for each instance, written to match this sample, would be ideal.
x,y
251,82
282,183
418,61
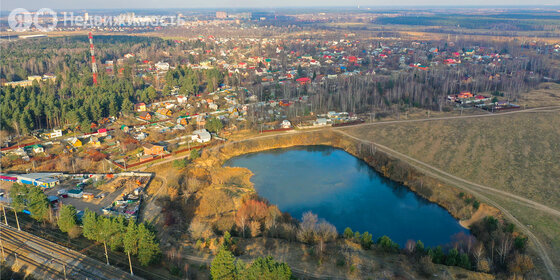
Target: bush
x,y
476,204
427,267
520,242
348,234
367,240
387,244
180,163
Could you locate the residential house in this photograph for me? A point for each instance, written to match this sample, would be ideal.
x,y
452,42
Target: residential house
x,y
320,122
55,133
465,94
140,107
286,124
145,116
162,66
164,112
151,149
95,141
201,136
75,142
181,99
38,149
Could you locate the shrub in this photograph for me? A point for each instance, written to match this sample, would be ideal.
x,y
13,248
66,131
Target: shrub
x,y
367,240
387,244
348,234
427,267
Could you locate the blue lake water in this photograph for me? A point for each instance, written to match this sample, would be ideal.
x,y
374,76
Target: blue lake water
x,y
347,192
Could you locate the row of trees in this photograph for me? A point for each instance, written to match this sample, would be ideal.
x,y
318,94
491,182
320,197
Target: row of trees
x,y
226,267
131,238
114,232
32,199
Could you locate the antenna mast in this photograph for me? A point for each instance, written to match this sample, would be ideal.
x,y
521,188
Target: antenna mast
x,y
93,65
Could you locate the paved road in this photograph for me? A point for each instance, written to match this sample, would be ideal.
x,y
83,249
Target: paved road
x,y
46,259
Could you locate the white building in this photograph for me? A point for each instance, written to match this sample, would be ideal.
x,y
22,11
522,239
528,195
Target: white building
x,y
162,66
320,122
286,124
181,99
55,133
201,136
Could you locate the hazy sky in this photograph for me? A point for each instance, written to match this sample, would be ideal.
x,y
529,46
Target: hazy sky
x,y
163,4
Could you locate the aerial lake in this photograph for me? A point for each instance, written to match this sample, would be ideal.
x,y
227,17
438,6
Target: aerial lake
x,y
346,192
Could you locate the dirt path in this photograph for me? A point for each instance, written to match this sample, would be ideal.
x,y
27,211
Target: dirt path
x,y
477,190
151,210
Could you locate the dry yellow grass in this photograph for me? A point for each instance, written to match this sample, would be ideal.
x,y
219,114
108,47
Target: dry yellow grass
x,y
547,94
519,153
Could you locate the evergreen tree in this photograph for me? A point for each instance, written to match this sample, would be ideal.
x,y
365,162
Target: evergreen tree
x,y
464,261
267,268
348,234
148,248
130,241
119,230
223,265
90,227
367,240
214,125
451,258
67,218
38,204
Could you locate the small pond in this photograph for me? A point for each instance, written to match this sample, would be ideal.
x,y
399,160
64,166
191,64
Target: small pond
x,y
347,192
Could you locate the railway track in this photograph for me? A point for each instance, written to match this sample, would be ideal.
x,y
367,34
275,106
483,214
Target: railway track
x,y
46,255
95,252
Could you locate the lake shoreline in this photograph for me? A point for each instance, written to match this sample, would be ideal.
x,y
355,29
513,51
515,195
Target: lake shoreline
x,y
431,189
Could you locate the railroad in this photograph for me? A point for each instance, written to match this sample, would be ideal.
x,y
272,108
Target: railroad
x,y
41,253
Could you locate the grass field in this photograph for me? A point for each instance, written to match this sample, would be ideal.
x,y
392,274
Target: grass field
x,y
517,153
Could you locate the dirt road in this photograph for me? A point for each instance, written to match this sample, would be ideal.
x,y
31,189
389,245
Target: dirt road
x,y
477,190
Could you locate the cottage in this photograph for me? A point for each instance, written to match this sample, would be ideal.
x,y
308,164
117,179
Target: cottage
x,y
38,149
162,66
145,116
94,141
164,112
303,81
465,94
320,122
183,120
75,142
151,149
55,133
201,136
286,124
102,132
140,107
181,99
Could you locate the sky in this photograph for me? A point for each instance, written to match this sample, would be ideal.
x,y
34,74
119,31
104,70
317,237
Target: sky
x,y
216,4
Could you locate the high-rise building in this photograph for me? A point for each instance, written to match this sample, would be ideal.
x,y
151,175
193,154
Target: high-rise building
x,y
221,15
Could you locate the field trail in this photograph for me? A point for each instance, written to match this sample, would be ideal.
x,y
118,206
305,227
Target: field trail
x,y
483,211
479,191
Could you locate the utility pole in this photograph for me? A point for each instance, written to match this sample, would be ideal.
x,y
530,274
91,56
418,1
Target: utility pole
x,y
130,264
5,218
17,221
2,246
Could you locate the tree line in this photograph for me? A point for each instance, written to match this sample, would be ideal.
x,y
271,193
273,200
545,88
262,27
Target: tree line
x,y
134,239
